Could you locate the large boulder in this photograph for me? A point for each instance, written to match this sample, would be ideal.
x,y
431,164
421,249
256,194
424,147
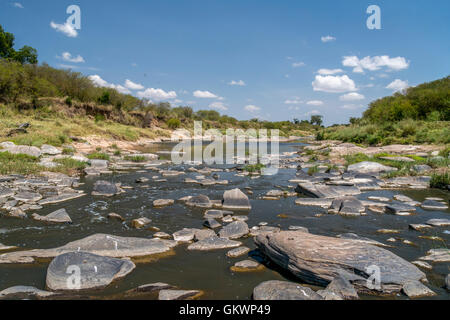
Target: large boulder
x,y
235,200
51,150
326,191
93,271
283,290
59,216
318,260
99,244
14,149
370,167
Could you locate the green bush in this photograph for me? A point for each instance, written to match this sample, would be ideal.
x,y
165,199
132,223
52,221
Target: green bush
x,y
173,123
440,180
98,156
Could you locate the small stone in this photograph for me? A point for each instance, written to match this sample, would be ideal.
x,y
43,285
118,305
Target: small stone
x,y
402,198
415,289
434,205
179,294
115,216
246,266
59,216
234,230
163,203
185,235
283,290
419,227
214,243
422,264
162,235
439,222
152,287
212,224
140,223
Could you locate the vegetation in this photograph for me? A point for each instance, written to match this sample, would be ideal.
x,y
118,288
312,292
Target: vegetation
x,y
254,167
98,156
440,180
135,158
24,55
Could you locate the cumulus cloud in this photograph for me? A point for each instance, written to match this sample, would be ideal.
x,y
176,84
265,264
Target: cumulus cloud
x,y
398,85
353,96
205,95
351,106
65,28
18,5
133,86
67,56
99,82
327,39
312,113
157,94
218,105
375,63
315,103
240,83
329,72
298,64
335,84
252,108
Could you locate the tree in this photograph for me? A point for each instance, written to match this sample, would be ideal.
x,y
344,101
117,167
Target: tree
x,y
25,55
316,120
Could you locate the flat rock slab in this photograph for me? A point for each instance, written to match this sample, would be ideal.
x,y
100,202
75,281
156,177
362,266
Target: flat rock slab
x,y
419,226
234,230
437,255
370,167
416,289
439,222
24,292
105,188
94,271
214,243
318,260
17,149
235,200
163,203
211,223
238,252
347,206
246,266
433,205
61,198
184,235
324,203
152,287
27,196
59,216
179,294
217,214
283,290
4,248
398,209
326,191
100,244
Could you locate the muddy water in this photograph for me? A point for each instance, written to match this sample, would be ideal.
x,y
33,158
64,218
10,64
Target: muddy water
x,y
208,271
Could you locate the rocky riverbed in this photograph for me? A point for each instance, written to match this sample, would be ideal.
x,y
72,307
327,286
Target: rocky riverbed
x,y
154,230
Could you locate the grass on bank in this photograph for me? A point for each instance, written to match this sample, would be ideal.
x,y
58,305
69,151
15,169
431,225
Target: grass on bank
x,y
24,164
136,159
440,180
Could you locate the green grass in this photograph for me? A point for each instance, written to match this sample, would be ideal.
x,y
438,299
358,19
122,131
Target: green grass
x,y
69,166
18,164
313,170
98,156
135,158
440,180
254,167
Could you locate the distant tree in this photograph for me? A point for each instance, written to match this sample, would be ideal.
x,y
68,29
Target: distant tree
x,y
25,55
316,120
296,121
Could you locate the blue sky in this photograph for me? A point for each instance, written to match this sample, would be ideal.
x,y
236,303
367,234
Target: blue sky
x,y
276,60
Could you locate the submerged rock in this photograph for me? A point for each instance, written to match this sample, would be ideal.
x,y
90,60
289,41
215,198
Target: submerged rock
x,y
99,244
318,259
246,266
283,290
93,271
214,243
235,200
24,292
434,205
179,294
163,203
437,255
439,222
200,201
235,253
59,216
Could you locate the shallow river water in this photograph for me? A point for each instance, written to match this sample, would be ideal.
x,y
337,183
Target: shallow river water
x,y
209,271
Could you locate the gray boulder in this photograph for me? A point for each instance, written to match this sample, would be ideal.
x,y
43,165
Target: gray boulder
x,y
235,200
93,271
16,149
51,150
318,259
283,290
59,216
234,230
105,188
326,191
200,201
347,206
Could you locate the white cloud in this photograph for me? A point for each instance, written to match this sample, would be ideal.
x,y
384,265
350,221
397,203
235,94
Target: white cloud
x,y
205,95
252,108
398,85
133,86
328,72
218,105
157,94
298,64
375,63
99,82
240,83
293,101
353,96
328,39
18,5
315,103
336,84
67,56
121,89
65,28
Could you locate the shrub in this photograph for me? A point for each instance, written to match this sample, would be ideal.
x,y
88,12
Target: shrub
x,y
173,123
440,180
98,156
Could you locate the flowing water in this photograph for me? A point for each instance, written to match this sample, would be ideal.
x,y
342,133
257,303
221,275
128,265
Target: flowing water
x,y
209,271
